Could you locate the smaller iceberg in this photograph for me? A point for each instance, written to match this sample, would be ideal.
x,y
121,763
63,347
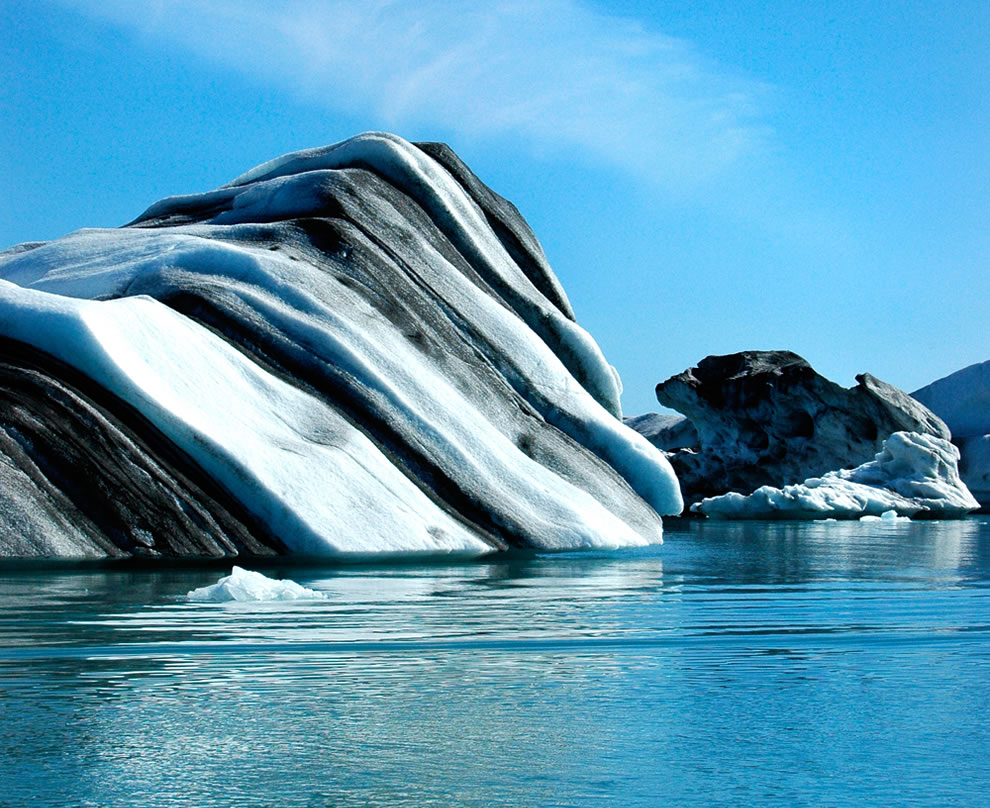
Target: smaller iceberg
x,y
245,585
913,475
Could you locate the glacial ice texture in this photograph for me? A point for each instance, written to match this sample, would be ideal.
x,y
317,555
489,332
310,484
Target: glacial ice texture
x,y
350,350
913,475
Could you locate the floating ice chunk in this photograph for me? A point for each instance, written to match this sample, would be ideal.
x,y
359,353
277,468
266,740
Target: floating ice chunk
x,y
767,418
886,516
245,585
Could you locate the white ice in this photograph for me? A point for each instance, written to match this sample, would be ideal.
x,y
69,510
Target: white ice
x,y
245,585
912,474
98,263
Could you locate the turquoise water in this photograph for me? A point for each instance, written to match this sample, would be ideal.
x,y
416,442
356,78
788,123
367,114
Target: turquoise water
x,y
739,664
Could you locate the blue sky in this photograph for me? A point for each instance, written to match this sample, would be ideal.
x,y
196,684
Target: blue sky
x,y
705,177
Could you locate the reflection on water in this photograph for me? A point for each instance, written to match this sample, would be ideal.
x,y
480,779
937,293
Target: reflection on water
x,y
741,663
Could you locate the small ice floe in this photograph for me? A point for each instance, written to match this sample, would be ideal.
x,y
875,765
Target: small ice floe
x,y
886,516
245,585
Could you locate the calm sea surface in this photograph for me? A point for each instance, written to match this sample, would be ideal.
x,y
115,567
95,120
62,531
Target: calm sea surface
x,y
739,664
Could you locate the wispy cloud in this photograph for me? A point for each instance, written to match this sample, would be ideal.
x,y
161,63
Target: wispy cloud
x,y
557,73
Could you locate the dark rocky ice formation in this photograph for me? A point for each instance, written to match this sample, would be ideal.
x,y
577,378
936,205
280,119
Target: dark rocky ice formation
x,y
767,418
351,350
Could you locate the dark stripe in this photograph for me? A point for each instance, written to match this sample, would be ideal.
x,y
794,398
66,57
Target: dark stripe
x,y
132,490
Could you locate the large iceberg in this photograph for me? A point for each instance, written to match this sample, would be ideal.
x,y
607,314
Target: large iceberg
x,y
962,400
348,350
913,475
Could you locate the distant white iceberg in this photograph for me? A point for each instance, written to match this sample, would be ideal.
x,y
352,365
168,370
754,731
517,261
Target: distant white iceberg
x,y
245,585
912,475
962,400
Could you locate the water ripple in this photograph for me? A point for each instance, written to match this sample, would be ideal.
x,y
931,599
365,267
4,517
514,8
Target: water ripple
x,y
738,664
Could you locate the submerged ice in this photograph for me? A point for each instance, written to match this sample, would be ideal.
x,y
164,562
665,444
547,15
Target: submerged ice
x,y
350,350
